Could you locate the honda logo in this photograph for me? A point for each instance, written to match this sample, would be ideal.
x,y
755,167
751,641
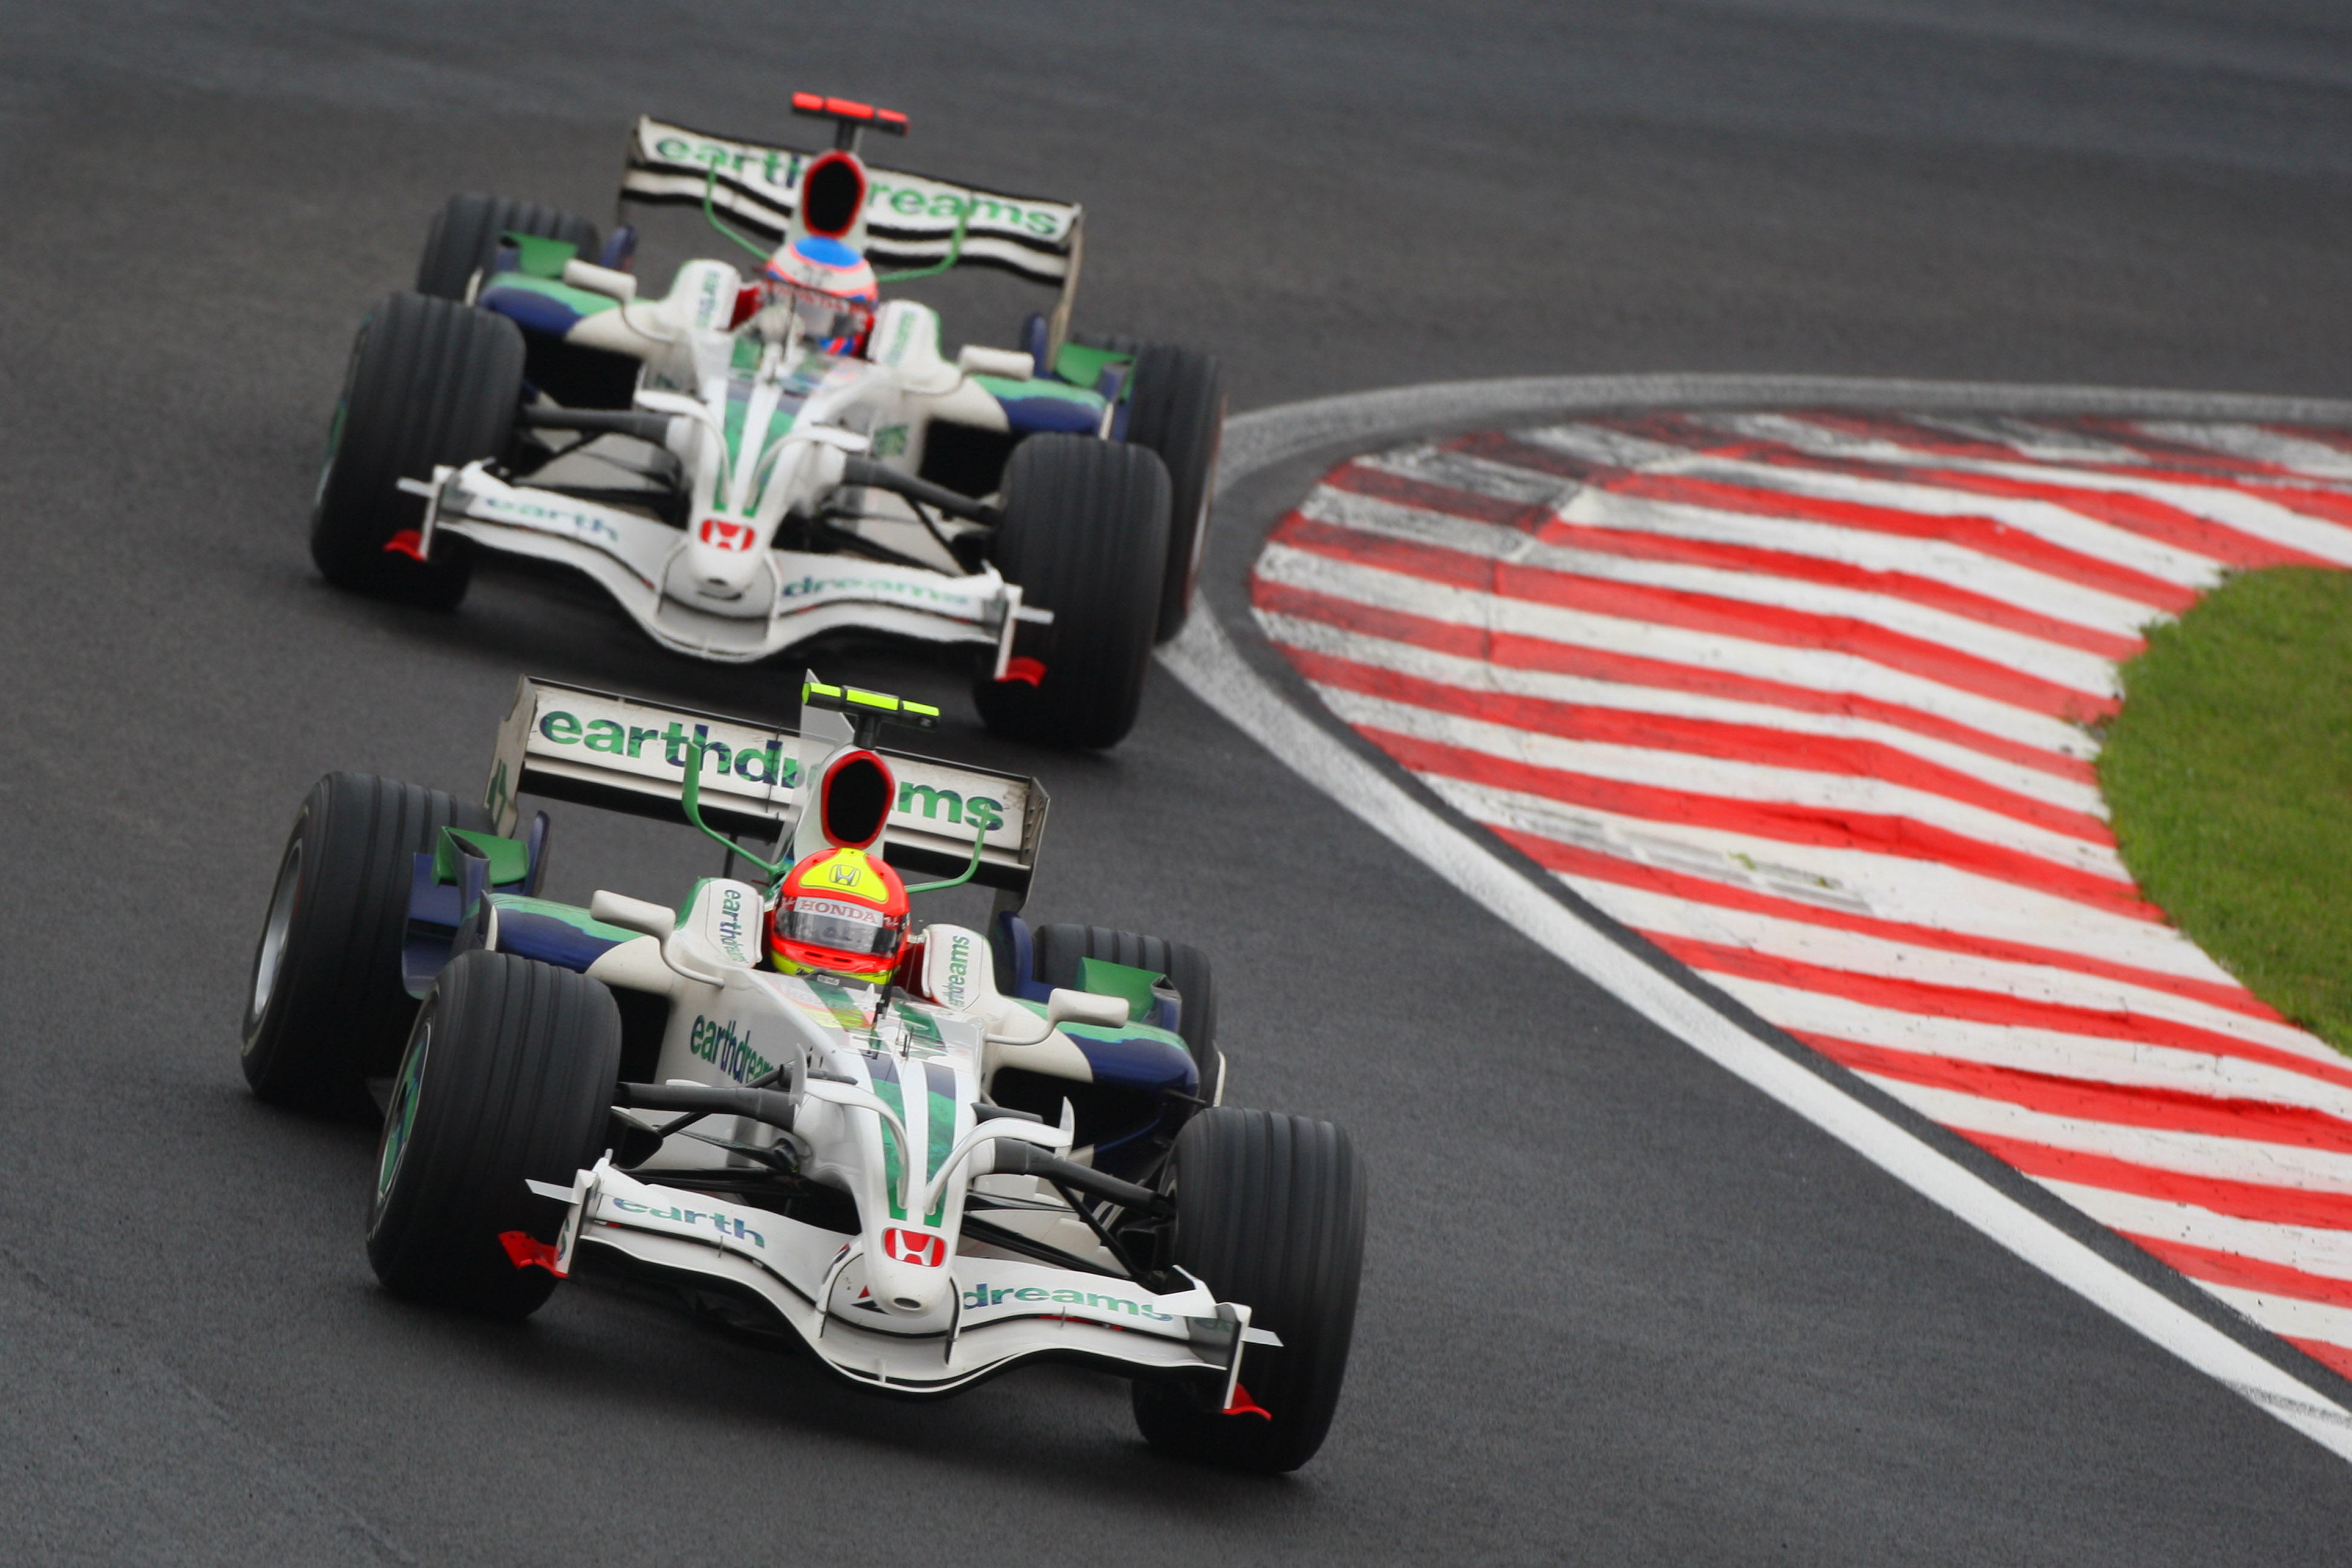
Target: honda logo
x,y
721,534
914,1246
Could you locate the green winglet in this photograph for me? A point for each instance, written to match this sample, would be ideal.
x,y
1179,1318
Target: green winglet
x,y
1083,365
537,256
1100,977
509,858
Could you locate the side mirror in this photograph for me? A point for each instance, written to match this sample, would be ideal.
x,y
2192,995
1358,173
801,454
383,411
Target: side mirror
x,y
608,281
1066,1006
1006,363
631,914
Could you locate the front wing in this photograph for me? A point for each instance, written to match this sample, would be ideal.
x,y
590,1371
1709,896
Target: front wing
x,y
1003,1312
807,594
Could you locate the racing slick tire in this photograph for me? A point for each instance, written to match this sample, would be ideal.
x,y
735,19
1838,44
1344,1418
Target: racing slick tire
x,y
1269,1212
1115,343
1060,948
1086,535
507,1078
464,236
429,382
1178,410
325,1010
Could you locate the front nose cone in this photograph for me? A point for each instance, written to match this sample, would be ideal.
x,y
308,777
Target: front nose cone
x,y
909,1289
721,555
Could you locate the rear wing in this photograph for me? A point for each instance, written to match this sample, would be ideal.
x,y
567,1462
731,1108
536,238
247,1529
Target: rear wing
x,y
910,219
617,754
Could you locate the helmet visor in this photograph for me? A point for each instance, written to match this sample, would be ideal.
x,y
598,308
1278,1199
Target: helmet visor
x,y
824,317
838,926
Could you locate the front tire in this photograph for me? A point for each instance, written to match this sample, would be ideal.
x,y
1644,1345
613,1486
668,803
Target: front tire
x,y
429,382
1269,1213
508,1078
1178,410
1086,536
325,1010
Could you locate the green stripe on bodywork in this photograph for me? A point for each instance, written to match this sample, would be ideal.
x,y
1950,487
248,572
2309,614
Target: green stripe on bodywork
x,y
943,1109
1004,391
887,1091
739,404
570,914
1122,1032
780,424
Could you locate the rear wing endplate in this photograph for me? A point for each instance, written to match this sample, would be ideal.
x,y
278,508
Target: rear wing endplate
x,y
910,219
617,754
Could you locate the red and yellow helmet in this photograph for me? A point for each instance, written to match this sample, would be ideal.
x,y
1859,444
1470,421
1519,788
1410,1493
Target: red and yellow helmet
x,y
840,912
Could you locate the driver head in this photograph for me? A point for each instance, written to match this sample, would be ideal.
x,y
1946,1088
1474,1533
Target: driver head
x,y
841,913
829,287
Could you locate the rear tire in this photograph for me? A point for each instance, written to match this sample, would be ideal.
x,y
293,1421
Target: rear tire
x,y
1269,1213
508,1078
1060,948
465,237
1086,536
429,382
1115,342
325,1010
1178,410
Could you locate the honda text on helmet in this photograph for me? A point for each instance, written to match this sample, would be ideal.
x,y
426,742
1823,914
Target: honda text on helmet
x,y
827,286
840,912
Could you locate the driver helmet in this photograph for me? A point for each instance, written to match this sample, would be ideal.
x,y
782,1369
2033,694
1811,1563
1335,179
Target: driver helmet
x,y
841,913
829,287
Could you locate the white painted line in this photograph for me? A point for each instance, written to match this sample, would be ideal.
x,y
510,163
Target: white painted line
x,y
1479,675
1207,662
1730,779
2326,1253
1821,669
2290,1166
2085,672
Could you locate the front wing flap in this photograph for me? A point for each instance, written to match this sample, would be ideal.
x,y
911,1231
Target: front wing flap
x,y
1003,1312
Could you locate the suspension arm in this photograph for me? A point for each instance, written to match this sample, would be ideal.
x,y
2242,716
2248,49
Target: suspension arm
x,y
875,475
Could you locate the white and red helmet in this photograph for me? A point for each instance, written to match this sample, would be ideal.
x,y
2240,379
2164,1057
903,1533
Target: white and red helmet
x,y
829,287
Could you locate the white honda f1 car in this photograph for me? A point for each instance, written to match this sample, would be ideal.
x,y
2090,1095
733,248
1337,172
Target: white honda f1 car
x,y
741,481
1005,1148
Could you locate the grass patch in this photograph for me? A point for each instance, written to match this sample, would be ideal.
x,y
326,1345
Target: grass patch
x,y
2228,773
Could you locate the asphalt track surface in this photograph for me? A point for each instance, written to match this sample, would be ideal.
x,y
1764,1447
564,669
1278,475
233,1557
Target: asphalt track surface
x,y
1618,1307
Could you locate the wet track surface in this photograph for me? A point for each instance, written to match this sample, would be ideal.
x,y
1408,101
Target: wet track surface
x,y
1617,1307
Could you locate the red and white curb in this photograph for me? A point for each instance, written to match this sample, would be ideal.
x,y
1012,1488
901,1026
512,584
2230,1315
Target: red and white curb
x,y
1801,695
